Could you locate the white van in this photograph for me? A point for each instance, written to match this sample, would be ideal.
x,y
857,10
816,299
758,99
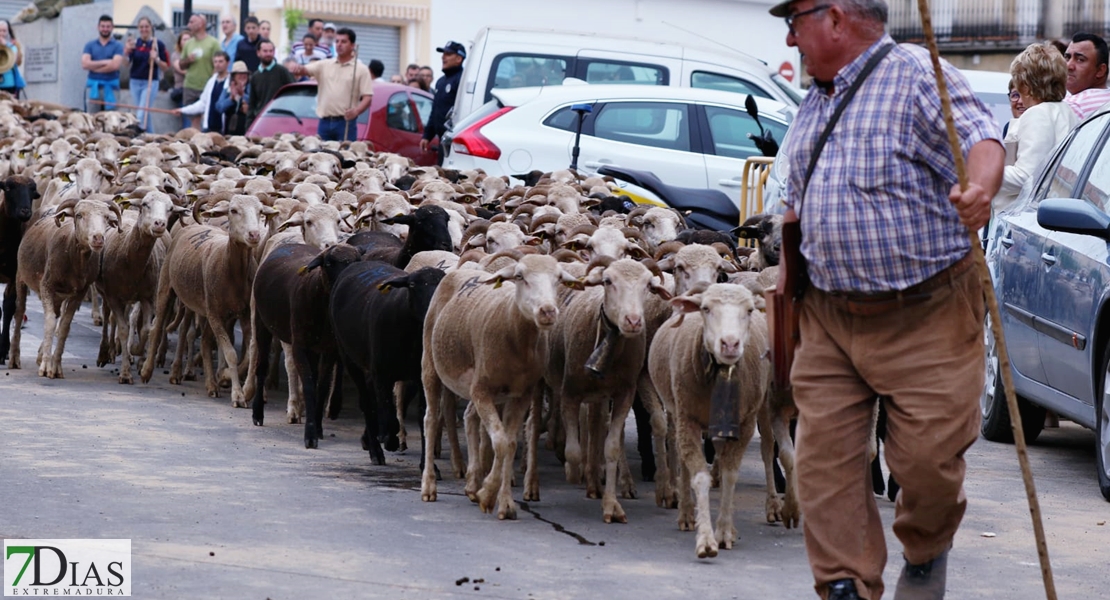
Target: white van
x,y
509,58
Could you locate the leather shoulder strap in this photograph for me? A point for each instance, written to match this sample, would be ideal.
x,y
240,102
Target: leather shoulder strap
x,y
868,67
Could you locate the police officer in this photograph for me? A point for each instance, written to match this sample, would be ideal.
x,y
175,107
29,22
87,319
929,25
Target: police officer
x,y
446,88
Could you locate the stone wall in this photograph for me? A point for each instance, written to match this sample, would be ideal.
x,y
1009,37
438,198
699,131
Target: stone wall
x,y
69,33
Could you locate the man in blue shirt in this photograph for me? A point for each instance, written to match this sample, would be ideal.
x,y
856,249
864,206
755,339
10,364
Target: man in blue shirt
x,y
102,58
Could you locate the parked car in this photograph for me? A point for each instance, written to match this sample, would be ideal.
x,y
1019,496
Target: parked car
x,y
1050,261
399,112
693,138
503,58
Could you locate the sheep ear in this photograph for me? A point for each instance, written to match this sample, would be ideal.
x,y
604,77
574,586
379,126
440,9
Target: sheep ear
x,y
532,240
635,251
400,220
397,282
61,215
497,278
747,232
594,277
478,241
577,242
216,211
296,220
760,302
690,303
659,290
316,262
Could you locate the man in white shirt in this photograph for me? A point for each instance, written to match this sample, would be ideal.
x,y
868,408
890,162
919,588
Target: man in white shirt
x,y
1087,57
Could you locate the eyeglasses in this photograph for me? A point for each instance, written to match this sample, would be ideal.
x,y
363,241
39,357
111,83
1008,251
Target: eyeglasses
x,y
794,17
1014,96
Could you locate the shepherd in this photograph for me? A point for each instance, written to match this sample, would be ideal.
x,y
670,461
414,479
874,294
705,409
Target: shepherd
x,y
344,89
892,306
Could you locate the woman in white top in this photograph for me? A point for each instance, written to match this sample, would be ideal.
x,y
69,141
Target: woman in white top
x,y
1040,74
206,104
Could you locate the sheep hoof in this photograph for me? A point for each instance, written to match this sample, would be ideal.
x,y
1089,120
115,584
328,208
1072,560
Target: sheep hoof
x,y
707,549
773,508
615,518
292,418
532,492
13,363
311,443
428,496
460,473
190,376
791,513
487,501
629,492
125,378
725,535
592,493
377,457
402,447
686,522
508,511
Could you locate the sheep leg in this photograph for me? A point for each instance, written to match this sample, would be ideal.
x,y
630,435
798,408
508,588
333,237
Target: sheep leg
x,y
70,306
693,459
496,491
595,419
185,337
531,473
685,493
433,393
773,504
97,314
259,365
50,308
451,423
614,448
309,368
227,348
625,479
401,405
104,356
644,438
210,383
422,405
573,449
273,379
486,454
294,407
140,324
7,311
730,456
791,510
20,309
664,488
162,305
386,414
117,315
473,424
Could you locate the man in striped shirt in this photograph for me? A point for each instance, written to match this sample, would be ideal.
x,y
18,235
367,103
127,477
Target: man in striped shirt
x,y
894,307
1087,58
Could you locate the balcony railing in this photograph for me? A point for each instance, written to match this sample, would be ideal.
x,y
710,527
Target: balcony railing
x,y
999,23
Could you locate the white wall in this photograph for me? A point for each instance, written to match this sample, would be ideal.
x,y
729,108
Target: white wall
x,y
739,24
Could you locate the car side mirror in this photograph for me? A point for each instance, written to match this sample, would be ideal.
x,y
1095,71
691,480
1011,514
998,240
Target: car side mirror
x,y
1070,215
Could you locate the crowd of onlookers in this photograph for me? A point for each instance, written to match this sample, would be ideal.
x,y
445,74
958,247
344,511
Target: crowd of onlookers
x,y
219,83
1053,87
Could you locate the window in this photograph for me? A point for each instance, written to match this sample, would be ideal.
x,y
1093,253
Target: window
x,y
423,108
300,102
655,124
629,73
180,22
565,119
716,81
1084,142
519,70
1097,189
399,113
730,129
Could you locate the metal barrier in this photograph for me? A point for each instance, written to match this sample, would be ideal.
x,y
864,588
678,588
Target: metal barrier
x,y
756,170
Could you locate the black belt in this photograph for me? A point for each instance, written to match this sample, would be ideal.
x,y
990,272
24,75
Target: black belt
x,y
333,118
867,305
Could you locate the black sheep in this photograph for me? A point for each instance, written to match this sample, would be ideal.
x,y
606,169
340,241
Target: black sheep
x,y
15,212
427,231
377,312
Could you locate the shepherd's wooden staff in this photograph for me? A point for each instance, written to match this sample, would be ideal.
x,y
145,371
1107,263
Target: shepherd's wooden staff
x,y
992,305
134,107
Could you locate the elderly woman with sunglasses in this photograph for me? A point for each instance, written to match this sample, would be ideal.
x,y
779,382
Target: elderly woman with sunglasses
x,y
1039,75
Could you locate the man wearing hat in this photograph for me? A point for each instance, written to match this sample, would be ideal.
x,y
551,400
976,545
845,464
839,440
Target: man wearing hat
x,y
233,101
327,39
894,307
446,89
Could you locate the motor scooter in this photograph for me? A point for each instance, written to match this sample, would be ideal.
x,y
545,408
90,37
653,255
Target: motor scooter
x,y
703,208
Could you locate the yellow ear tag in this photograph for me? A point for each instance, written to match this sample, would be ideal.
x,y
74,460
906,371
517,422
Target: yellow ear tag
x,y
302,270
65,177
126,161
22,155
497,283
384,288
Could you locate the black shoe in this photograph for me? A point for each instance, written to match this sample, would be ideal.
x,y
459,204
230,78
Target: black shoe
x,y
923,582
843,589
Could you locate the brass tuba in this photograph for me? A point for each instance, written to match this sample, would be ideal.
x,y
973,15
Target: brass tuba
x,y
7,59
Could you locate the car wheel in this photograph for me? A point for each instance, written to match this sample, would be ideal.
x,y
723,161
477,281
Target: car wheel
x,y
1102,432
995,425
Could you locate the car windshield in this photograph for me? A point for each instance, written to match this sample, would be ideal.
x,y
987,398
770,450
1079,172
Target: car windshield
x,y
300,101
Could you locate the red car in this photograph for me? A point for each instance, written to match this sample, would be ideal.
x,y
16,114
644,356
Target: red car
x,y
399,115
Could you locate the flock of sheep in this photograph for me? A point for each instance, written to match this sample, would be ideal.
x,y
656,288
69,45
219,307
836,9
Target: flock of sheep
x,y
549,307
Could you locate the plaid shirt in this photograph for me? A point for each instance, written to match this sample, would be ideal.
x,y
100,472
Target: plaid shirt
x,y
876,216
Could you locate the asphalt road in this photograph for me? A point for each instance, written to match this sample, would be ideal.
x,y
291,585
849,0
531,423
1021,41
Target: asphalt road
x,y
218,508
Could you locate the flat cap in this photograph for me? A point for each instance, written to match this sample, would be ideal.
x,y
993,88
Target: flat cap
x,y
782,9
